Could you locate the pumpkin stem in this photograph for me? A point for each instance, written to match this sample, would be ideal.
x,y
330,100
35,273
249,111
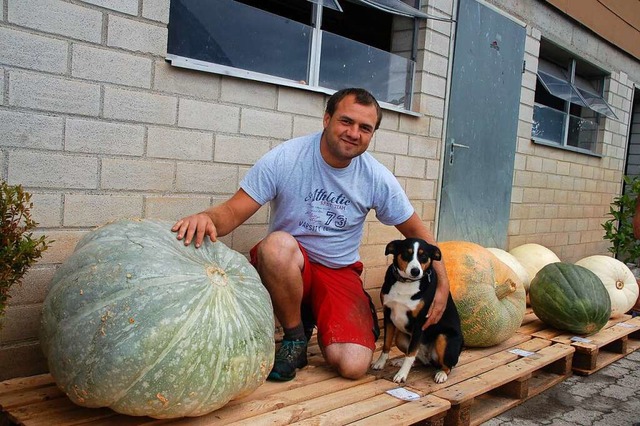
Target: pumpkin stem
x,y
217,275
506,288
619,285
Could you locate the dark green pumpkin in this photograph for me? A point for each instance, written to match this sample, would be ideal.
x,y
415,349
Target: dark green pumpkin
x,y
571,298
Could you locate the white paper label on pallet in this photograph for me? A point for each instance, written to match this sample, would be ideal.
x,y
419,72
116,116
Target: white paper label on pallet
x,y
624,324
403,394
580,339
521,352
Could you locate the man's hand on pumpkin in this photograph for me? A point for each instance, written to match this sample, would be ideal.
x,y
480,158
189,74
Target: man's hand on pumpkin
x,y
198,225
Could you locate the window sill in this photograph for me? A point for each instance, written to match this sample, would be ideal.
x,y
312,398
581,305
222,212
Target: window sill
x,y
566,147
193,64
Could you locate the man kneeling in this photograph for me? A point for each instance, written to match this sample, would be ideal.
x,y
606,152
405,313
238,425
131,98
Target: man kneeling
x,y
320,188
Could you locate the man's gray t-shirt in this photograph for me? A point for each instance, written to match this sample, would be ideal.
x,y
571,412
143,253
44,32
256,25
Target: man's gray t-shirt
x,y
323,207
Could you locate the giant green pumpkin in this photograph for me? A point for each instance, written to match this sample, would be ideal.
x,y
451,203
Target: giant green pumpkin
x,y
570,297
137,322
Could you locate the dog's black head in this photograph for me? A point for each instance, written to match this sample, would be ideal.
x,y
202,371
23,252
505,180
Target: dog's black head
x,y
412,257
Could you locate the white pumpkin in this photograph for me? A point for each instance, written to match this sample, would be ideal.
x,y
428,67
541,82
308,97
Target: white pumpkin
x,y
513,263
617,279
534,257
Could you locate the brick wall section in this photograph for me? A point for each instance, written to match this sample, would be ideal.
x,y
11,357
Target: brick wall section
x,y
98,126
411,147
560,198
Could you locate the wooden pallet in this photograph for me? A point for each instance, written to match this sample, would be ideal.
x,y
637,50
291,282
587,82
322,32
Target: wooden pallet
x,y
618,338
486,382
489,381
317,396
531,323
486,395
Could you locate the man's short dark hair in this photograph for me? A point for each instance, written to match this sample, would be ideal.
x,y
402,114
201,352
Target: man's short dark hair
x,y
362,96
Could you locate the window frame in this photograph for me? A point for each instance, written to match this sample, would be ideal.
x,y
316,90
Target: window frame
x,y
314,62
576,84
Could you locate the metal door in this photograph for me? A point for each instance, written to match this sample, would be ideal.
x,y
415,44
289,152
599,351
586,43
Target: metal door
x,y
482,126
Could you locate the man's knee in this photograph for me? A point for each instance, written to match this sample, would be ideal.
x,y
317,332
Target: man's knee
x,y
352,370
278,247
351,361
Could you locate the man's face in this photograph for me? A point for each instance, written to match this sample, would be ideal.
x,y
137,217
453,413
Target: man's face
x,y
348,132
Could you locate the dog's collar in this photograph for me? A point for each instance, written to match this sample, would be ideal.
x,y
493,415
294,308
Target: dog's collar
x,y
400,278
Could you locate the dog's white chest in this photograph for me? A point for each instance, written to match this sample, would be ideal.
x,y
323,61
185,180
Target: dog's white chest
x,y
399,301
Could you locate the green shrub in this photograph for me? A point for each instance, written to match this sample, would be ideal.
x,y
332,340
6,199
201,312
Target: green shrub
x,y
18,249
619,229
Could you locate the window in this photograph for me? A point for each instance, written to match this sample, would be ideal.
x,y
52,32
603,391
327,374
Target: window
x,y
569,108
322,44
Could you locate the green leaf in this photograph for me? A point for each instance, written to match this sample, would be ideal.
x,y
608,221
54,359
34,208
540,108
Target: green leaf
x,y
18,249
619,227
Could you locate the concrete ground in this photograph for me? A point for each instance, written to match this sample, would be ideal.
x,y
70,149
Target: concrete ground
x,y
609,397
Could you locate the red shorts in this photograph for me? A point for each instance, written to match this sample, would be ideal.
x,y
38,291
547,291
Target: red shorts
x,y
341,309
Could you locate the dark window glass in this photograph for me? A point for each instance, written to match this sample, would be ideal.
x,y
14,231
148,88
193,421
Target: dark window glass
x,y
230,33
262,39
360,23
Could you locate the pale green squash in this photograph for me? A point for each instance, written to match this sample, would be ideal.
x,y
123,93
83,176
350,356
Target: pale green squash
x,y
137,322
488,294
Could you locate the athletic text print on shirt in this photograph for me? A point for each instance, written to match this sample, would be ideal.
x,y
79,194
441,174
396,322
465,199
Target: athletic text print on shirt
x,y
324,211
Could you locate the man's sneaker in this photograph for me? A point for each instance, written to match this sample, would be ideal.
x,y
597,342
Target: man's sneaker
x,y
291,355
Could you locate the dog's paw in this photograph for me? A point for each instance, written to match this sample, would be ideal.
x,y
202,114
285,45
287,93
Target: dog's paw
x,y
440,377
400,377
397,362
380,362
377,365
403,373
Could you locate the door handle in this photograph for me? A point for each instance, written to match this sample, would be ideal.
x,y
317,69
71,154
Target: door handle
x,y
458,145
452,147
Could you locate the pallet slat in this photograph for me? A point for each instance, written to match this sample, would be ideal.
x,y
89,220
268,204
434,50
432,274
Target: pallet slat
x,y
352,413
20,383
485,395
73,417
48,408
531,324
304,377
26,396
255,407
319,405
429,409
551,333
616,339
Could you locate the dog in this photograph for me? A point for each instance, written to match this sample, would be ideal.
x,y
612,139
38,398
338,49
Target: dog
x,y
408,290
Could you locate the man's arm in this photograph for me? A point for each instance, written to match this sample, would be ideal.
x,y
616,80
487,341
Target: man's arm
x,y
415,228
216,221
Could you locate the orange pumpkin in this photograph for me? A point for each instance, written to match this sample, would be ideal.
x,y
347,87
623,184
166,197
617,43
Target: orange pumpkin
x,y
490,297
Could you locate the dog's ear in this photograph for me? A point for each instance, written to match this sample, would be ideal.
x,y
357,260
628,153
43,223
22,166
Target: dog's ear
x,y
391,247
435,253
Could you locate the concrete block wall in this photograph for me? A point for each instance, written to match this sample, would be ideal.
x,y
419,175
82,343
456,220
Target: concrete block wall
x,y
561,198
98,126
415,160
